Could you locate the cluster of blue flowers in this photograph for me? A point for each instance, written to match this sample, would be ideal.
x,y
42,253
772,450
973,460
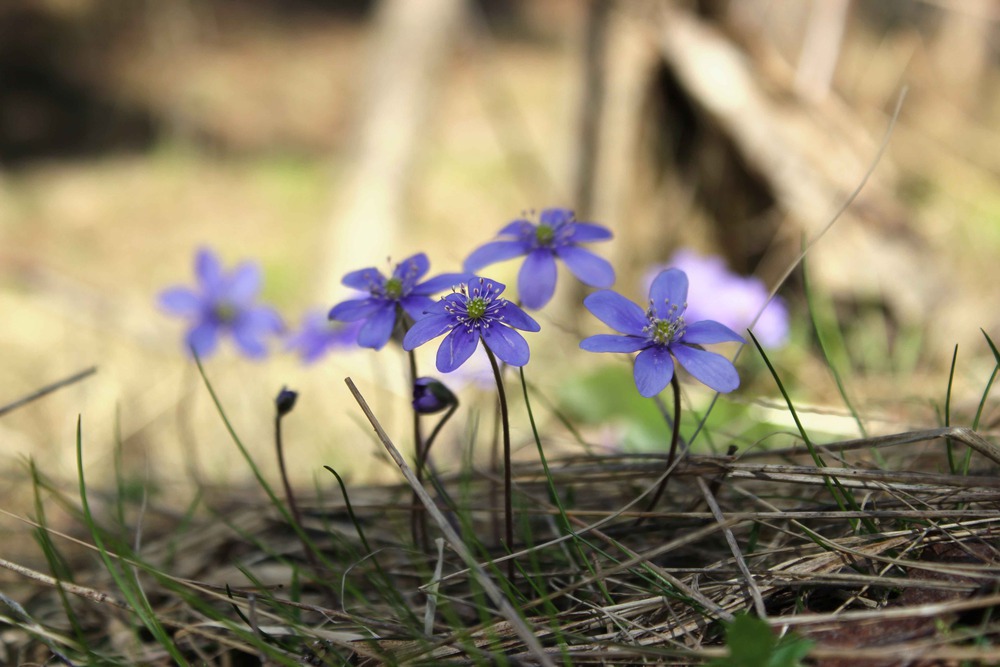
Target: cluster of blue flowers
x,y
226,304
475,310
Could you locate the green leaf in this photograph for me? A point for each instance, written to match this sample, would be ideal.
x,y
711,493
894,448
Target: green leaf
x,y
752,643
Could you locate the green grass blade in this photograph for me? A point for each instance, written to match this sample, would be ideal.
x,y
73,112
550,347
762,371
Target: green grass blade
x,y
127,583
825,335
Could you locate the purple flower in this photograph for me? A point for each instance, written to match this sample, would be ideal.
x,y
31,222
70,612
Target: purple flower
x,y
223,303
318,335
431,396
471,314
386,296
557,234
661,331
721,295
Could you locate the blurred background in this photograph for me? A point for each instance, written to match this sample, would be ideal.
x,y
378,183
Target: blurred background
x,y
316,137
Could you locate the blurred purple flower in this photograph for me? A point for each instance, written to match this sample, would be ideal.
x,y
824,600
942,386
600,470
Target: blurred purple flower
x,y
223,303
719,294
386,296
318,335
557,234
431,396
661,331
473,313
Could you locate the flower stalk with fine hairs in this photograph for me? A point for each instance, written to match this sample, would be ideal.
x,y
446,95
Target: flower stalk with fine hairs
x,y
659,334
474,313
284,403
430,397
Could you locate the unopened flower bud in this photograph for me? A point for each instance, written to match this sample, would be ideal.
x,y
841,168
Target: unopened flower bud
x,y
431,396
285,401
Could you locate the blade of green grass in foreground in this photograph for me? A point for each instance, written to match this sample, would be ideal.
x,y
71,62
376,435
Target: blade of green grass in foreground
x,y
949,445
58,567
124,578
989,385
841,495
259,476
564,523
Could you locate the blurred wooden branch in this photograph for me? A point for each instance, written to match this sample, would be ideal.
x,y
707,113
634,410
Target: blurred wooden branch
x,y
821,48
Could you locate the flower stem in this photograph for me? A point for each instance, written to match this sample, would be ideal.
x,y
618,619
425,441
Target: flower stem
x,y
418,520
674,439
293,507
505,421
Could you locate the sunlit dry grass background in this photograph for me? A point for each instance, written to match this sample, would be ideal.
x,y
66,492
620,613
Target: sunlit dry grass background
x,y
236,126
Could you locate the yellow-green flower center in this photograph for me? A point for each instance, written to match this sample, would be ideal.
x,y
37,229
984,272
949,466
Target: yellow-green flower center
x,y
224,312
667,331
476,308
544,235
394,288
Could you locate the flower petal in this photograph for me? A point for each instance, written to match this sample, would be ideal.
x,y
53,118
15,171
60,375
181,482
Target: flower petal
x,y
244,283
710,331
480,286
520,228
653,370
669,289
260,319
203,339
456,348
585,232
417,306
426,329
493,252
536,281
586,266
441,283
772,325
710,368
208,269
613,343
364,279
181,301
517,318
552,217
413,267
617,312
377,331
355,309
248,339
509,346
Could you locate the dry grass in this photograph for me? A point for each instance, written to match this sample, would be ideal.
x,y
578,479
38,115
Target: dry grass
x,y
874,556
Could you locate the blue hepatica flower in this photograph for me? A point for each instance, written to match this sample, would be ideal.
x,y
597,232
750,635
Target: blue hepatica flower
x,y
386,296
661,331
318,335
557,234
734,300
224,303
472,313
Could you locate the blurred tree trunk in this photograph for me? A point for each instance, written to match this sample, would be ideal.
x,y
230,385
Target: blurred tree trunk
x,y
410,43
962,48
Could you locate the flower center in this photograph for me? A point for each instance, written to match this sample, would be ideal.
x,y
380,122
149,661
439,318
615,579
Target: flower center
x,y
544,235
224,312
665,332
393,288
476,308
